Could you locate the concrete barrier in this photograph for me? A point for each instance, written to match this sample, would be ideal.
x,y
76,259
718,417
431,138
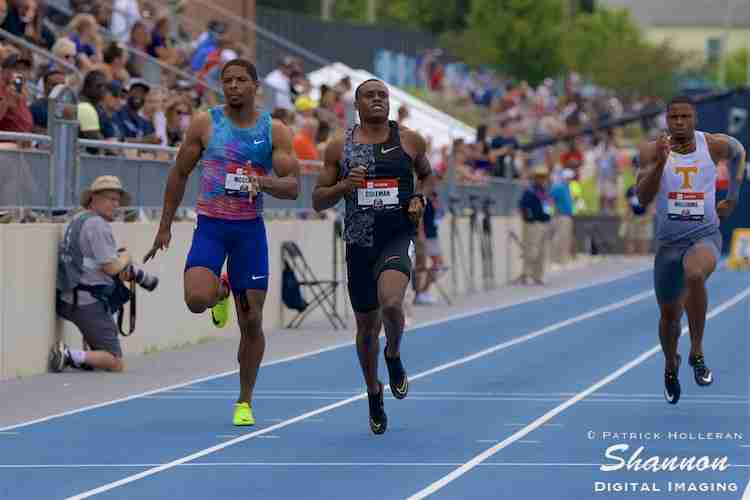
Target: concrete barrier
x,y
28,263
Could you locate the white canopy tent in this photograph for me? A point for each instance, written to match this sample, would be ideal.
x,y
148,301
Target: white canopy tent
x,y
441,128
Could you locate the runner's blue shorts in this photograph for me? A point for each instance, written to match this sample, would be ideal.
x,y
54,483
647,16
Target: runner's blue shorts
x,y
242,242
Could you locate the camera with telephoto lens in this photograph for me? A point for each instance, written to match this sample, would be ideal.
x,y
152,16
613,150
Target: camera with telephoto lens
x,y
18,83
146,281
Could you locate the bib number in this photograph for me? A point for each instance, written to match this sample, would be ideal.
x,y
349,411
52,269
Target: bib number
x,y
378,194
686,206
238,182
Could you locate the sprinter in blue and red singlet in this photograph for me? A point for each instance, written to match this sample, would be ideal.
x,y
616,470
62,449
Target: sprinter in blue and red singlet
x,y
237,147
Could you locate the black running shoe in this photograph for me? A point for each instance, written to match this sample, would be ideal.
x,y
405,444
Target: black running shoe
x,y
703,375
378,418
59,358
398,380
672,389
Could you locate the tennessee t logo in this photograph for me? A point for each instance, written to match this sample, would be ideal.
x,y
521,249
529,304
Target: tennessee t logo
x,y
685,173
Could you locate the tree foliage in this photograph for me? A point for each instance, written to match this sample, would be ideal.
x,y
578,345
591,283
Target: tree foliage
x,y
522,37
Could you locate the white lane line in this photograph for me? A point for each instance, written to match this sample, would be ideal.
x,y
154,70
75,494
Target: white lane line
x,y
523,425
454,317
659,396
504,345
463,469
308,464
593,400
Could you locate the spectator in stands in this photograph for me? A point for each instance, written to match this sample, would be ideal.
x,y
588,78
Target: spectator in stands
x,y
14,19
33,25
503,150
327,106
153,111
134,127
52,78
83,32
536,211
280,82
140,40
562,243
178,119
637,224
161,44
114,64
3,13
111,102
125,13
15,115
89,126
102,12
184,88
304,142
607,174
572,158
206,43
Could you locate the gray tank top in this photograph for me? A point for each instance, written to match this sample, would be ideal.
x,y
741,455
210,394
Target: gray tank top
x,y
686,201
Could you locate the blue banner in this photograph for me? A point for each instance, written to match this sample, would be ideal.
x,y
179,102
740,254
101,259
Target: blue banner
x,y
730,114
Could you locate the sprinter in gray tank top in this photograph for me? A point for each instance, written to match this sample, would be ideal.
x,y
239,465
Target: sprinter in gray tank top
x,y
679,172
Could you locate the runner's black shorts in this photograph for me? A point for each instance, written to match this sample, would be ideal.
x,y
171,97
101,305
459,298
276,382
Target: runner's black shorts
x,y
365,264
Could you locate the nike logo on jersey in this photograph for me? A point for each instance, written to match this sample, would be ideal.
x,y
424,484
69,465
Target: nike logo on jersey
x,y
386,151
254,277
256,141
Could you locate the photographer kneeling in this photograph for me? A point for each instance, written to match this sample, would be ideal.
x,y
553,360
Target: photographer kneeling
x,y
91,272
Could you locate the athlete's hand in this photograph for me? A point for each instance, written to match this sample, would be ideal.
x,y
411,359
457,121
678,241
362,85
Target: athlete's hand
x,y
725,208
355,179
663,147
416,209
161,242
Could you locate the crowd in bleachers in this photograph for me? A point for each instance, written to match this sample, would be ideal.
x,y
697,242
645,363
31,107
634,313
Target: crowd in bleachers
x,y
131,65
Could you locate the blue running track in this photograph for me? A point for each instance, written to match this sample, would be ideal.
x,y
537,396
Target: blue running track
x,y
517,403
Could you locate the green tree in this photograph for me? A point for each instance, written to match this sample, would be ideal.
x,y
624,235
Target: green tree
x,y
736,63
639,69
591,36
522,37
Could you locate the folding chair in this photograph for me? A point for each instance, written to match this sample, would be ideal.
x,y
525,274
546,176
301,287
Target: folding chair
x,y
323,291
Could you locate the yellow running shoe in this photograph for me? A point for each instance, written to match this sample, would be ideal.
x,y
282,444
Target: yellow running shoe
x,y
243,414
220,312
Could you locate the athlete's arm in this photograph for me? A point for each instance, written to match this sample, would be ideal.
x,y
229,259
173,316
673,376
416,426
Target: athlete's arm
x,y
286,183
726,147
328,191
422,166
423,170
653,157
187,157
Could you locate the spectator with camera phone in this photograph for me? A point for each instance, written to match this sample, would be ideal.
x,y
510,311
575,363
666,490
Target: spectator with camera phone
x,y
15,115
91,271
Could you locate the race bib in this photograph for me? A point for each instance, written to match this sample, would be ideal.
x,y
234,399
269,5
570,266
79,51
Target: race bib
x,y
378,193
237,182
686,205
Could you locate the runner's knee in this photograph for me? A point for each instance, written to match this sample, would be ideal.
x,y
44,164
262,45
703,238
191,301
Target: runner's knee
x,y
392,307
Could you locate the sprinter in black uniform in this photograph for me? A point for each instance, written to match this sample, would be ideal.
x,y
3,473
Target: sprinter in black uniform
x,y
373,169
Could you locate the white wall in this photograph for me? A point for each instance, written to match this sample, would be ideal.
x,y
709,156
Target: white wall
x,y
28,263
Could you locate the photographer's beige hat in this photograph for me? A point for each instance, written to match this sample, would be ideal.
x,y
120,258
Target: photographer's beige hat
x,y
105,183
